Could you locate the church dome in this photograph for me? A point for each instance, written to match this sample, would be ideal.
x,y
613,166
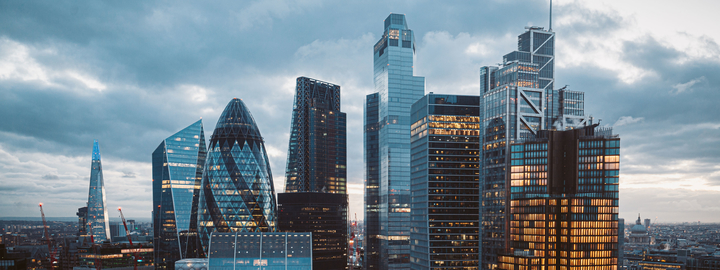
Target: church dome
x,y
638,229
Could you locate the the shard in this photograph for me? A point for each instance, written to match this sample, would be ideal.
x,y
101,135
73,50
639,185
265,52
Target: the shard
x,y
237,193
97,215
178,164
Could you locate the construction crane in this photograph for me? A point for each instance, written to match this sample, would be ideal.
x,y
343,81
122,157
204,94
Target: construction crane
x,y
98,263
51,251
127,232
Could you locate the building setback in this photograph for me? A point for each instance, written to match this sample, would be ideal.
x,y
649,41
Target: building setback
x,y
178,164
445,187
316,199
97,215
387,186
517,101
563,207
237,192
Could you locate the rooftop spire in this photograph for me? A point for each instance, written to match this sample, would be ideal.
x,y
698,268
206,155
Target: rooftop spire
x,y
550,15
96,151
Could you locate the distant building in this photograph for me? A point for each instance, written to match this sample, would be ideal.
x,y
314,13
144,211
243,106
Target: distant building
x,y
256,250
178,164
316,191
97,214
639,234
564,201
647,223
116,256
445,209
237,192
82,220
387,148
621,242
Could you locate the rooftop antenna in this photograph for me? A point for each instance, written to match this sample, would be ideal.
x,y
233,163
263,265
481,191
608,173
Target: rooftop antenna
x,y
551,15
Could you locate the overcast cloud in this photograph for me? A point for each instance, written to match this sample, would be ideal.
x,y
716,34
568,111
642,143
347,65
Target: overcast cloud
x,y
132,74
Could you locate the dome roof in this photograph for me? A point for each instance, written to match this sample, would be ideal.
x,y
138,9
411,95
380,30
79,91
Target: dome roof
x,y
236,121
638,229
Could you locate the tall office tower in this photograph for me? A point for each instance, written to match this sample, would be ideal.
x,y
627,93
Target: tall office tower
x,y
371,156
397,90
317,151
237,192
517,101
178,164
564,201
445,188
97,215
316,199
647,223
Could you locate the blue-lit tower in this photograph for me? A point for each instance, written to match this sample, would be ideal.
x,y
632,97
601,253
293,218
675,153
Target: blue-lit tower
x,y
97,214
178,164
237,192
388,199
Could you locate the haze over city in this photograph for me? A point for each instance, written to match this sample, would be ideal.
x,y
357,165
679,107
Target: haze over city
x,y
130,75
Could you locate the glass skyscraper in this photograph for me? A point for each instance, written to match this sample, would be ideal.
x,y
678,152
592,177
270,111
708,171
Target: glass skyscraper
x,y
317,150
316,199
386,135
445,186
237,192
97,214
564,201
178,164
517,101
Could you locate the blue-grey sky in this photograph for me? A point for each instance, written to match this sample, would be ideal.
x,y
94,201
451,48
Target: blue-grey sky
x,y
130,74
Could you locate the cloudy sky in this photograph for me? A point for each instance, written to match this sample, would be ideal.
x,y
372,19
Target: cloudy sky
x,y
132,74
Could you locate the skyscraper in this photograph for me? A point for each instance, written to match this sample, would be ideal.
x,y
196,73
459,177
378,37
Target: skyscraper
x,y
97,214
178,164
445,187
397,89
563,210
237,192
517,101
316,200
317,150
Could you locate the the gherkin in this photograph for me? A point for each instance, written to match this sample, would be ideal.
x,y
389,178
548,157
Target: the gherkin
x,y
237,193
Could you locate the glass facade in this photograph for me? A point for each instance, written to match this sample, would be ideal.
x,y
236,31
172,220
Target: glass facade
x,y
517,101
178,164
256,250
237,192
445,186
372,182
397,90
97,215
564,201
316,196
317,155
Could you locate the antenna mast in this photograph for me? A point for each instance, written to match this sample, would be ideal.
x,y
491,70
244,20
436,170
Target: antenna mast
x,y
550,15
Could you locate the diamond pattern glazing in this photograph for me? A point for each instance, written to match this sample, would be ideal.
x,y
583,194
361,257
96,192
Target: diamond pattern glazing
x,y
237,193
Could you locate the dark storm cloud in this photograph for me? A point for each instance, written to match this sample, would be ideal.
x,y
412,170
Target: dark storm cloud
x,y
132,74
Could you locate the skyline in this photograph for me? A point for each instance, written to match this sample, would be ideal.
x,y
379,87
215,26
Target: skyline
x,y
88,81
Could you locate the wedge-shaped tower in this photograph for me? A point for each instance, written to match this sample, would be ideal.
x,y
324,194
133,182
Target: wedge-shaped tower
x,y
178,164
97,214
237,193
